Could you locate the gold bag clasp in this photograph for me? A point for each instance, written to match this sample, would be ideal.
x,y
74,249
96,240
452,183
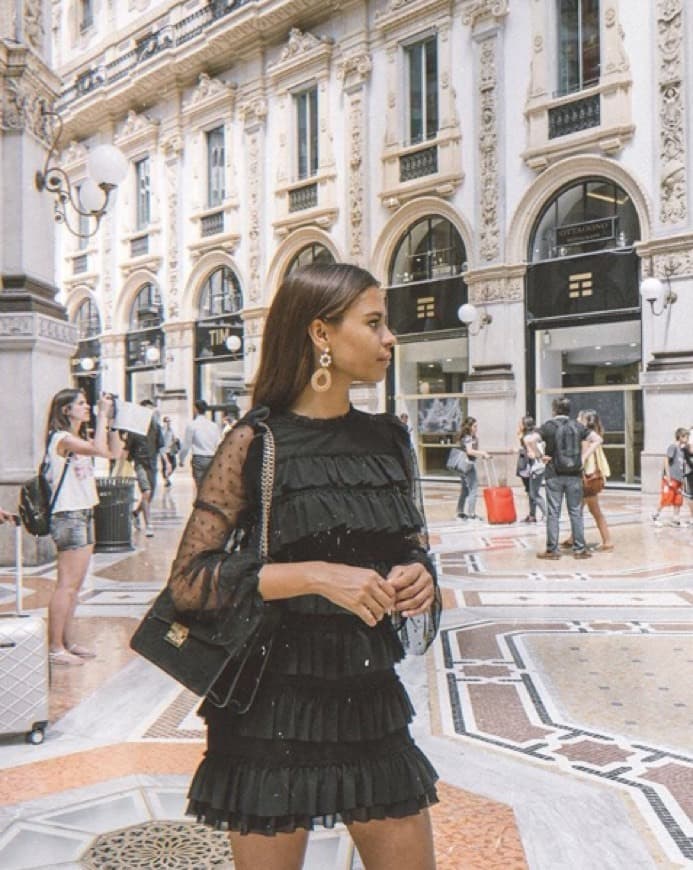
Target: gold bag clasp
x,y
177,634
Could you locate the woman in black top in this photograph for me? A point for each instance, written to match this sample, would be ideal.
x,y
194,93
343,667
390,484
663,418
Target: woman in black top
x,y
327,737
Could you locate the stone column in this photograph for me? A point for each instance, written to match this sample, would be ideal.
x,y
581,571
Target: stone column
x,y
36,341
495,353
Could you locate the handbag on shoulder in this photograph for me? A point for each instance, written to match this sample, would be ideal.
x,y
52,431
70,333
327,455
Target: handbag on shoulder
x,y
194,651
458,461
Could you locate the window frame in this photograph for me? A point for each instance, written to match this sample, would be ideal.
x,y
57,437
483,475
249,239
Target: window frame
x,y
309,94
428,94
143,193
564,87
216,172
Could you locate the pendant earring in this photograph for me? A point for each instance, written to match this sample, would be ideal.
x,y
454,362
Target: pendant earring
x,y
321,380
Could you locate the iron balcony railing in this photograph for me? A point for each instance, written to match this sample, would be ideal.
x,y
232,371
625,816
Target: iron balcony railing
x,y
139,246
418,163
211,224
574,116
301,198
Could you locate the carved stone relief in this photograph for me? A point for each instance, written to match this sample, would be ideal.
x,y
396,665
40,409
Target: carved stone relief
x,y
673,172
172,148
33,24
253,112
489,245
615,57
22,108
474,11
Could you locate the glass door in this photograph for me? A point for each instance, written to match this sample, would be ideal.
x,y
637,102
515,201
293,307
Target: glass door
x,y
597,366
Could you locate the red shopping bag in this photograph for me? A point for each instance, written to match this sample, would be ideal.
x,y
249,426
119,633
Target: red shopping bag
x,y
670,494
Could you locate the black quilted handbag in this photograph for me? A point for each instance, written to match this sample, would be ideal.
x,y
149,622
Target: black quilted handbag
x,y
194,651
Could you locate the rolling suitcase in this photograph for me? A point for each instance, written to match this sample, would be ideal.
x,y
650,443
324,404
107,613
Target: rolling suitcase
x,y
499,501
23,665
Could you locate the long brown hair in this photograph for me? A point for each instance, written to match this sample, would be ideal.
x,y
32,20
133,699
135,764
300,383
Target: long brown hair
x,y
58,421
466,428
315,292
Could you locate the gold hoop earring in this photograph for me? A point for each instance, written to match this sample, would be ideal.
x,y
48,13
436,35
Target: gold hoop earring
x,y
321,380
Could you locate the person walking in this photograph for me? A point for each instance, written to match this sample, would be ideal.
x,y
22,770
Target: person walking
x,y
327,736
201,440
143,451
530,469
568,445
169,451
674,472
69,450
469,482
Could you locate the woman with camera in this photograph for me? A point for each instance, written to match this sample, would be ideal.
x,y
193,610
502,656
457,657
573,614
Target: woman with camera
x,y
70,454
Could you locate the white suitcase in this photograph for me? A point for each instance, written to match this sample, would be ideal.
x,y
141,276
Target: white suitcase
x,y
23,666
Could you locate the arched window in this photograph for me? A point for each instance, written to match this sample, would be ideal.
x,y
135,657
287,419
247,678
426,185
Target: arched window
x,y
87,320
147,310
221,294
314,253
430,249
594,214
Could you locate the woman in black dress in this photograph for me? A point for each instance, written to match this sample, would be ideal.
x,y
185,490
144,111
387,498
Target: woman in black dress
x,y
327,737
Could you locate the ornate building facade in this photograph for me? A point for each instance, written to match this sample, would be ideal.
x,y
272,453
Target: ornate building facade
x,y
530,158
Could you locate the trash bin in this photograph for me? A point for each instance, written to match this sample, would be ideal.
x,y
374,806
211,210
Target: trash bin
x,y
113,514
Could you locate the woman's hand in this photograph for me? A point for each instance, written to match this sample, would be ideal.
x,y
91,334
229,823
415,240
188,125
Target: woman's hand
x,y
414,588
105,406
360,590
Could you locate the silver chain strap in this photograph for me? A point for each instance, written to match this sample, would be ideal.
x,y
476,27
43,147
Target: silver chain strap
x,y
266,487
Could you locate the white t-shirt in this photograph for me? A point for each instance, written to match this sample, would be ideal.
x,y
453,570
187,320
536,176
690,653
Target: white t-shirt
x,y
78,491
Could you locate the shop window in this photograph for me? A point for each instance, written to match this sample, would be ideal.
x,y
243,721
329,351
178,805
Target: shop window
x,y
215,167
592,215
143,193
315,253
578,45
431,248
87,320
147,310
306,103
422,90
221,294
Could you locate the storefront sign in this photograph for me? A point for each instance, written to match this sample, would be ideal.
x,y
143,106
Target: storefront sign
x,y
145,349
221,337
426,306
587,231
590,284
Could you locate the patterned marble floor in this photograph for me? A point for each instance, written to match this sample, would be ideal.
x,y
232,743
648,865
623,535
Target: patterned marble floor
x,y
557,705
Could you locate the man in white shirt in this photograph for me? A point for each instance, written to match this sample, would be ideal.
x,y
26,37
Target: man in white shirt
x,y
201,439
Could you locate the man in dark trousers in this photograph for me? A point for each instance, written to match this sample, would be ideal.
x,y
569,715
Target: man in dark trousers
x,y
143,450
567,445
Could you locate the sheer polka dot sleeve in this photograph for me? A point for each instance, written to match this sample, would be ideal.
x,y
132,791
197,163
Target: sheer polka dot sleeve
x,y
209,573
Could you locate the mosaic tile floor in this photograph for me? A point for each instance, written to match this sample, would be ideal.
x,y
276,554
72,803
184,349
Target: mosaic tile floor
x,y
557,706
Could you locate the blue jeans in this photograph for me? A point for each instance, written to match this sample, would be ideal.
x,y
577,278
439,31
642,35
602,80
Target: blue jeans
x,y
536,499
468,492
555,488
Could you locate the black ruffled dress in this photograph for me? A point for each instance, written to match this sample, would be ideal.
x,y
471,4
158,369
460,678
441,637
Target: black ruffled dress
x,y
327,737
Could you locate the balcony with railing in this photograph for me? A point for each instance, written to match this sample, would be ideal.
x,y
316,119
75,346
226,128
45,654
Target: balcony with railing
x,y
417,164
79,264
212,224
139,246
577,115
163,36
301,198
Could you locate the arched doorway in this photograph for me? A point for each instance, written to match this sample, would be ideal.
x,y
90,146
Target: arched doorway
x,y
145,346
219,351
86,362
426,288
583,314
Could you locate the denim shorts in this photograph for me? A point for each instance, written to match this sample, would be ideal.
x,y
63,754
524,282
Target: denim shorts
x,y
71,530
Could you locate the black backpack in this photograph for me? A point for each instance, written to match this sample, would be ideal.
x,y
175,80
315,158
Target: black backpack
x,y
36,500
567,450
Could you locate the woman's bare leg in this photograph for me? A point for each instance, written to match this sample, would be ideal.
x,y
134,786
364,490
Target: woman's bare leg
x,y
72,569
592,502
395,844
258,852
